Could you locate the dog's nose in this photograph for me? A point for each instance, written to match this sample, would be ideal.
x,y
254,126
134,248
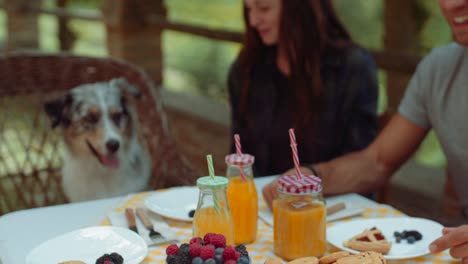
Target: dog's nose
x,y
112,145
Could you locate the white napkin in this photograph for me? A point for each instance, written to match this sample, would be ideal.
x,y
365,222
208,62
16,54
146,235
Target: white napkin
x,y
118,219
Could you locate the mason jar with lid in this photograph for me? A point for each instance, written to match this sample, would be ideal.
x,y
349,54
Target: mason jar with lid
x,y
213,214
299,214
242,197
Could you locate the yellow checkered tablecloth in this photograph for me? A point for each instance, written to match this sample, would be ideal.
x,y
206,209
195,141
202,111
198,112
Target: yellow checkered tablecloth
x,y
263,246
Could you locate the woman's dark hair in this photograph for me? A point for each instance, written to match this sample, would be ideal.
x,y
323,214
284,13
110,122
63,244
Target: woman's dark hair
x,y
308,29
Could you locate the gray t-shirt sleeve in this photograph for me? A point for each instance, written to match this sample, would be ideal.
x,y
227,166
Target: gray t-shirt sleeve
x,y
414,105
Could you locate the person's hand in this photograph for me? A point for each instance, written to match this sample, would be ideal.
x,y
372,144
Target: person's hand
x,y
270,192
455,239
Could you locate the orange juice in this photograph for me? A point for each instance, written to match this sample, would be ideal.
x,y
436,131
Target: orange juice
x,y
207,220
243,203
299,228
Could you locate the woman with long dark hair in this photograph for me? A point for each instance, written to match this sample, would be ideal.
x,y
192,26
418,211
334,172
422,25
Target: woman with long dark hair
x,y
299,68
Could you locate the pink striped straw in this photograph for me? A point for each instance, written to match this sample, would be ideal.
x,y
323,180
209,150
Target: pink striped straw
x,y
292,138
239,153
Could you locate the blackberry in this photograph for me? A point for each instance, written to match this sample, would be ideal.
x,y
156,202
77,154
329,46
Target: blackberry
x,y
173,259
184,250
185,259
191,214
242,250
114,257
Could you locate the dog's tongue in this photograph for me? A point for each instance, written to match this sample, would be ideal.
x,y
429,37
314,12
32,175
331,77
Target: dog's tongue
x,y
110,161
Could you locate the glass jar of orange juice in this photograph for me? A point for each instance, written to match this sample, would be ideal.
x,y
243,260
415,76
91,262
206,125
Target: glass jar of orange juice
x,y
242,197
299,217
213,214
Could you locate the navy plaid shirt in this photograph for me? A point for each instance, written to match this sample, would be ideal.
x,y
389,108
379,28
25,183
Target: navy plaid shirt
x,y
347,122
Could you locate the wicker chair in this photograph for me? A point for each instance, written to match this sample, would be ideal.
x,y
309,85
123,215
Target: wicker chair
x,y
30,151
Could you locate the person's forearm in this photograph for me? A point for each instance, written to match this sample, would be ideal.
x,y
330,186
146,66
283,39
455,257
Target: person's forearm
x,y
355,172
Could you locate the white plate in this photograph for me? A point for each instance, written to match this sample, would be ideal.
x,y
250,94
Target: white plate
x,y
175,203
88,244
429,229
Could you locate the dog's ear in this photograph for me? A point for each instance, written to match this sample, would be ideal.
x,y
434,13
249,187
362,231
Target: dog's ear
x,y
125,87
55,109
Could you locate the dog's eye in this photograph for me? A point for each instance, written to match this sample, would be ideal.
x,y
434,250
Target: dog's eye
x,y
91,118
116,117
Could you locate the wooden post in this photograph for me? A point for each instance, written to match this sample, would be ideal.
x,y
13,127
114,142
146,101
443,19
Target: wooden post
x,y
66,36
131,36
22,25
402,25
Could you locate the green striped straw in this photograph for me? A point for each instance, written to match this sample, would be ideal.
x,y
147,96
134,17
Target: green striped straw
x,y
212,175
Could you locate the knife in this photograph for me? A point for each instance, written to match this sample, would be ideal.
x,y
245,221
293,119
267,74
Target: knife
x,y
153,234
335,208
130,219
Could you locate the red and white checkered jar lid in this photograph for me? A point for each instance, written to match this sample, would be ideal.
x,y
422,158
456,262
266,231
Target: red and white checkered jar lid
x,y
309,184
244,159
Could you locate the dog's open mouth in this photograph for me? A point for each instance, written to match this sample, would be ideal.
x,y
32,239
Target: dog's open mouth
x,y
109,160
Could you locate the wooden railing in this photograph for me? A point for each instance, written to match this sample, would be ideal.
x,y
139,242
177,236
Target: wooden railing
x,y
121,28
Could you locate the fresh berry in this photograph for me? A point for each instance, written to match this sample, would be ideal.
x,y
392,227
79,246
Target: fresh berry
x,y
229,253
219,251
207,252
230,261
197,260
172,249
172,259
243,260
191,214
210,261
219,241
185,259
219,259
207,238
113,258
240,248
184,250
411,239
108,262
197,240
195,250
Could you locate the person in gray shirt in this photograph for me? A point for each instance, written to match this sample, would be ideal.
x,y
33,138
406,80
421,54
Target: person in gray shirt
x,y
436,98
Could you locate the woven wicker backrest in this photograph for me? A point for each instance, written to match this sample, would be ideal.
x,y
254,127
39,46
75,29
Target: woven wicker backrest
x,y
30,151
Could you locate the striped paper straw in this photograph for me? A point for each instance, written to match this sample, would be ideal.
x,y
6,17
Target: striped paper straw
x,y
292,138
212,175
239,154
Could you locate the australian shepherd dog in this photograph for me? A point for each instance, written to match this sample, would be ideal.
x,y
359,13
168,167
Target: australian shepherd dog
x,y
104,154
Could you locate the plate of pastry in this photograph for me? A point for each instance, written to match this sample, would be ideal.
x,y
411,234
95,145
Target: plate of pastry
x,y
395,238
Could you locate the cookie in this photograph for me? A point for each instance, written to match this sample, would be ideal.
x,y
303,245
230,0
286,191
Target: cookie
x,y
333,257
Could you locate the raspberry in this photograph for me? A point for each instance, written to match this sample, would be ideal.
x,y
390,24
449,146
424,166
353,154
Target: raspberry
x,y
172,249
237,255
207,238
207,252
229,253
196,240
230,262
219,241
195,250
